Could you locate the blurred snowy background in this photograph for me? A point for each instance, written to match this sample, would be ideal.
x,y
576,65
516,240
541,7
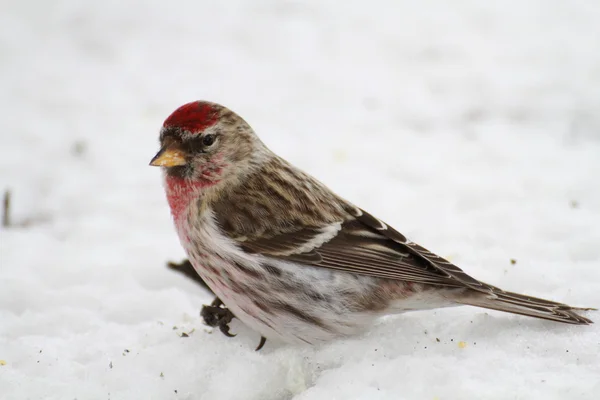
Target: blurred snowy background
x,y
473,127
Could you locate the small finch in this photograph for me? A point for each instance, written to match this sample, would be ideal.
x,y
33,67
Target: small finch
x,y
290,258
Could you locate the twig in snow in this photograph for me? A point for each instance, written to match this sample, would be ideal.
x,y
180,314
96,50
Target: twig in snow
x,y
6,209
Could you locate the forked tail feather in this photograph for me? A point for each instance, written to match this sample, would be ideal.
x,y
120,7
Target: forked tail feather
x,y
515,303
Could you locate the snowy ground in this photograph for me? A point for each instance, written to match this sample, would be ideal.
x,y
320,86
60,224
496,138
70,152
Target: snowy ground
x,y
470,126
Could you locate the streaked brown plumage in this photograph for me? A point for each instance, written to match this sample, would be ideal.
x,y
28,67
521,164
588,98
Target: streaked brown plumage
x,y
289,257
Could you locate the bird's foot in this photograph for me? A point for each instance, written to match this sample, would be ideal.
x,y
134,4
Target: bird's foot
x,y
217,316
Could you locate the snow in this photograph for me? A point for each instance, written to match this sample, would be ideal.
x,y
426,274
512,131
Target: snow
x,y
472,127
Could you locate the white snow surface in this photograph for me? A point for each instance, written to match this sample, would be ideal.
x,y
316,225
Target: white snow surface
x,y
470,126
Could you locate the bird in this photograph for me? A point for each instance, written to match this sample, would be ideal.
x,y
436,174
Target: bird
x,y
290,258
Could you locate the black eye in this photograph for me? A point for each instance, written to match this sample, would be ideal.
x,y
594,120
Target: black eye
x,y
208,140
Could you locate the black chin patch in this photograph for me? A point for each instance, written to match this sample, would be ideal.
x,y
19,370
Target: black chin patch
x,y
180,171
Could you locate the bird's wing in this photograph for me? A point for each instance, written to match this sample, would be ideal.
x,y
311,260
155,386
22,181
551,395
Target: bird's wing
x,y
364,245
283,213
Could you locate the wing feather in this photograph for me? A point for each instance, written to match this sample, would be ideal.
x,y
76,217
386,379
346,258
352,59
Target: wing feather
x,y
361,245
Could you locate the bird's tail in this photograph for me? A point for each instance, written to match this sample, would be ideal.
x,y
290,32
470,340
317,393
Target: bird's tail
x,y
497,299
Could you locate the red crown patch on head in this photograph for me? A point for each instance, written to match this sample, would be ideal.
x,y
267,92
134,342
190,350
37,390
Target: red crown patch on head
x,y
194,117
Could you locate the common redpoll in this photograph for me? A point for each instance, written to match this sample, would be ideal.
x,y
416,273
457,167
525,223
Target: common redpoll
x,y
290,258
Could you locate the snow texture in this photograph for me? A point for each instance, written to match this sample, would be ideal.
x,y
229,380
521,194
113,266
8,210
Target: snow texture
x,y
470,126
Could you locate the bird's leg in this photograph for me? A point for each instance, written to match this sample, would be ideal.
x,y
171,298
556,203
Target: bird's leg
x,y
217,303
216,314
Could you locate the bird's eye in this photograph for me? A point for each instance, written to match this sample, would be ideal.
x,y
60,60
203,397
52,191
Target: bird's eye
x,y
208,140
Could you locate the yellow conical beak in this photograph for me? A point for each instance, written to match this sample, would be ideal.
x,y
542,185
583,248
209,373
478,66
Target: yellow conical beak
x,y
171,155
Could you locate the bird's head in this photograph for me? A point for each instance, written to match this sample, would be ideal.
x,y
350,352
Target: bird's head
x,y
206,142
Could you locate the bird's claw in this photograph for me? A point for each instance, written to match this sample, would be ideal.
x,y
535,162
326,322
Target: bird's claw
x,y
224,328
263,340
